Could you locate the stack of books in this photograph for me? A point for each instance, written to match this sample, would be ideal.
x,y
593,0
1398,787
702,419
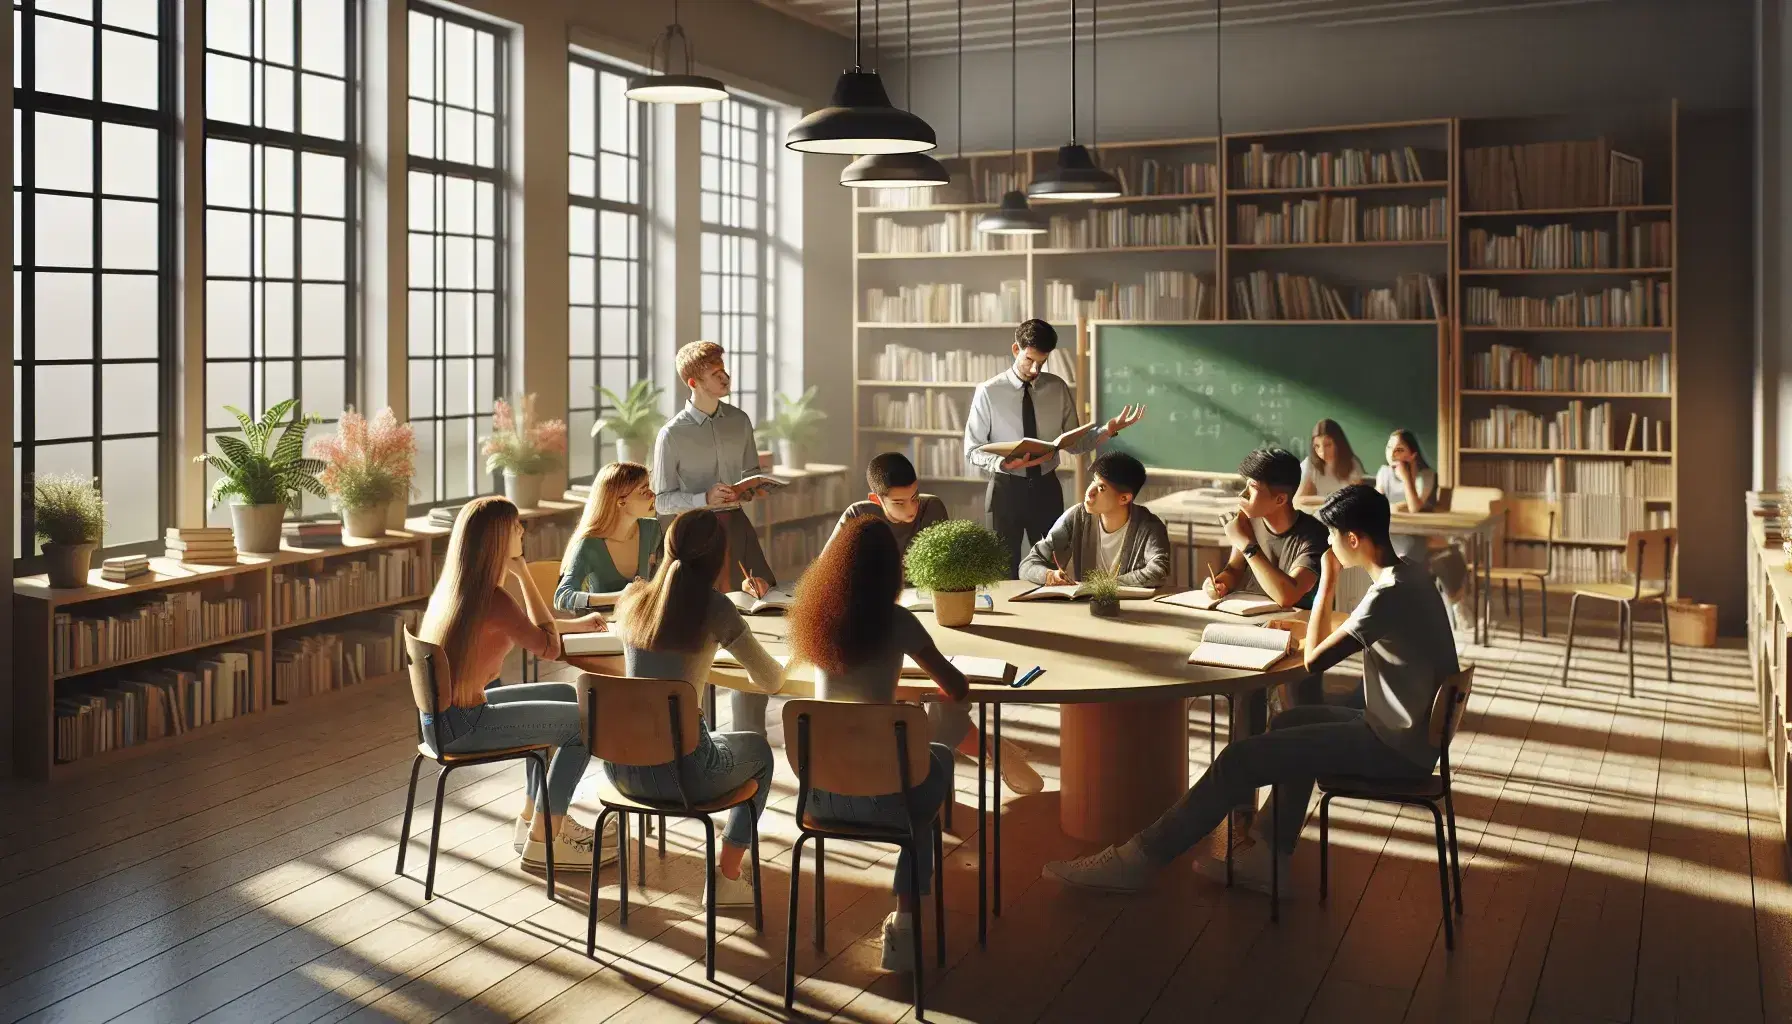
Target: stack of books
x,y
201,545
124,567
444,515
322,532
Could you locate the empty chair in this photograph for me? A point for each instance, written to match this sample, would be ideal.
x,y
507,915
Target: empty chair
x,y
1522,521
1649,560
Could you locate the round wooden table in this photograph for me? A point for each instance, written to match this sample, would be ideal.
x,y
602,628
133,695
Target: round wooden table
x,y
1122,684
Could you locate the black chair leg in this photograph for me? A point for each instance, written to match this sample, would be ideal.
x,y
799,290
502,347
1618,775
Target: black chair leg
x,y
796,889
1667,639
435,834
1443,877
1455,848
547,812
1520,610
410,798
621,863
821,893
1325,848
1543,606
914,932
1506,596
1622,609
1275,846
939,892
709,901
1568,655
1627,636
591,903
640,854
662,835
758,902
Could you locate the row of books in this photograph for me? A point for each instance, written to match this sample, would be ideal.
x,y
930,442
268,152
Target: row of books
x,y
1162,295
1550,175
823,494
148,703
930,410
148,625
1120,228
1639,304
1560,477
1651,245
307,664
201,545
953,232
1261,168
947,303
1150,176
1262,295
937,458
1337,219
347,584
1544,247
1510,368
1579,427
898,362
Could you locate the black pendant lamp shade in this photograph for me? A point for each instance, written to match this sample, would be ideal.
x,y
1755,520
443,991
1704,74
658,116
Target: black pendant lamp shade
x,y
859,119
1075,177
1013,217
897,170
660,86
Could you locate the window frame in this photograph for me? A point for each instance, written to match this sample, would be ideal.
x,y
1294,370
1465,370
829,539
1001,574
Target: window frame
x,y
764,238
28,101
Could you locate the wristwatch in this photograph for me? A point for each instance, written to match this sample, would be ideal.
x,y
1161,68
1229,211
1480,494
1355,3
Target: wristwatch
x,y
1251,550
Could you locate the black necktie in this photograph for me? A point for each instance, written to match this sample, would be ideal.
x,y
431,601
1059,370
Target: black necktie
x,y
1029,422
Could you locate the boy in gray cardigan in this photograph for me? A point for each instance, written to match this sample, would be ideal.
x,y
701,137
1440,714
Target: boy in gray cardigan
x,y
1107,531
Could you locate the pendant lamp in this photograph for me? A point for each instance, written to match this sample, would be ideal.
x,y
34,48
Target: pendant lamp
x,y
898,170
1014,216
859,117
659,86
1076,176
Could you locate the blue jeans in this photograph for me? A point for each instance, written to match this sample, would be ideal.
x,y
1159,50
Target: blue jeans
x,y
891,810
721,763
518,715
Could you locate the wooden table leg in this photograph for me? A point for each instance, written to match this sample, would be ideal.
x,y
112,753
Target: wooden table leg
x,y
1124,763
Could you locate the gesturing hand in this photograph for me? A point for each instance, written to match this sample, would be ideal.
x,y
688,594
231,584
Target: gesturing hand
x,y
1127,417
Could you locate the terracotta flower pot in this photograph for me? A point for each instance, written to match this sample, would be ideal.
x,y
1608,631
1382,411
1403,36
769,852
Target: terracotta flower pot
x,y
68,564
953,608
523,490
366,523
257,527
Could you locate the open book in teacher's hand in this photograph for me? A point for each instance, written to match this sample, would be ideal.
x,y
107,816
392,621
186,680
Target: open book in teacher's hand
x,y
975,669
1244,647
1077,591
757,485
773,601
918,600
1029,447
1234,604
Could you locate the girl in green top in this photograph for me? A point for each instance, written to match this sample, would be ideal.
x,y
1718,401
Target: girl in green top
x,y
617,538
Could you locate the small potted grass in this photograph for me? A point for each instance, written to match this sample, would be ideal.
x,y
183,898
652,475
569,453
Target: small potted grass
x,y
70,518
1103,587
952,559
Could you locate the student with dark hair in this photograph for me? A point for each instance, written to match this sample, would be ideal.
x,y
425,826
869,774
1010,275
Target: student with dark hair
x,y
1107,531
895,499
1331,464
1403,634
1024,497
1275,547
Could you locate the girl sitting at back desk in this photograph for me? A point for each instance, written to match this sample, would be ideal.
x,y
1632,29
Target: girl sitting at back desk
x,y
617,539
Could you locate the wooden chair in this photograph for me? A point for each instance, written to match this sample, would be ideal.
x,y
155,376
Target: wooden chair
x,y
546,575
642,723
1523,519
1649,559
860,750
430,676
1428,792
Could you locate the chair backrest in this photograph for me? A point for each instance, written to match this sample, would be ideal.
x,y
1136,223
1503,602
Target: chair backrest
x,y
547,578
632,721
430,677
1448,707
851,748
1649,554
1470,499
1529,520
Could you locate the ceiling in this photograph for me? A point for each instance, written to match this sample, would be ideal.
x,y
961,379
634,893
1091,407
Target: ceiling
x,y
1044,22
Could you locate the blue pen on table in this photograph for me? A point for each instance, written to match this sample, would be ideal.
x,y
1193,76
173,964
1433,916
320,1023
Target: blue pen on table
x,y
1033,673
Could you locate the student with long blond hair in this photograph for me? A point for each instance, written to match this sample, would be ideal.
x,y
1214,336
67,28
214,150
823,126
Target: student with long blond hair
x,y
616,539
846,623
670,627
477,624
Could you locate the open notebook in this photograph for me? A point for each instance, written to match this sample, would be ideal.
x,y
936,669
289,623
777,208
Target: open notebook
x,y
1236,604
977,670
1245,647
774,601
1075,591
917,600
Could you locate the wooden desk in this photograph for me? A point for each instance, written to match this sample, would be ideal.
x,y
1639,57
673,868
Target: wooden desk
x,y
1123,683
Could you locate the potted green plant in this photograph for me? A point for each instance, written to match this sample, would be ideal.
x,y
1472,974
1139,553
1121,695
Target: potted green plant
x,y
265,477
634,420
367,470
70,518
523,448
1104,593
952,559
793,426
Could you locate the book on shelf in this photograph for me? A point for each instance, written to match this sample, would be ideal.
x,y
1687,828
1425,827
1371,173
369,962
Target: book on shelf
x,y
947,303
1256,648
381,576
145,703
200,545
1233,604
1098,228
775,600
1262,295
1161,295
897,362
444,515
151,623
1335,219
1650,245
1150,176
367,646
1078,591
1512,368
1597,498
1540,247
955,231
1541,176
1641,303
931,410
1624,186
1262,168
124,567
312,533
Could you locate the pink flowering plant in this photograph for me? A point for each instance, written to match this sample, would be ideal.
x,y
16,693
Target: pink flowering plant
x,y
520,444
367,463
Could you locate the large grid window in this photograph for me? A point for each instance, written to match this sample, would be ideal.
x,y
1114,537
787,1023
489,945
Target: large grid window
x,y
608,233
93,256
457,148
279,247
739,222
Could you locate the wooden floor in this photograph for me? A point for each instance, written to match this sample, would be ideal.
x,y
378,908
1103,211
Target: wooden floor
x,y
1620,858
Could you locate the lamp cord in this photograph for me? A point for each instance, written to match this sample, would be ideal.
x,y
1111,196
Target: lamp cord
x,y
1013,84
1073,72
960,139
1094,75
908,55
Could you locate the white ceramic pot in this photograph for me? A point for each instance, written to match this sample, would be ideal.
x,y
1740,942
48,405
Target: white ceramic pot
x,y
68,564
524,491
628,451
954,608
257,527
792,454
366,523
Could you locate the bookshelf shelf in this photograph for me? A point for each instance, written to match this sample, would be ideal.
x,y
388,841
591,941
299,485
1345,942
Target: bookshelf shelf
x,y
918,383
958,255
917,432
1380,186
1166,197
1110,249
1564,271
1579,542
171,652
1480,329
1569,211
1395,244
377,606
1358,323
1483,392
1582,452
876,325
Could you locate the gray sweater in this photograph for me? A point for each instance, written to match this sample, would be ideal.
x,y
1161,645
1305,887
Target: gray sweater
x,y
1144,555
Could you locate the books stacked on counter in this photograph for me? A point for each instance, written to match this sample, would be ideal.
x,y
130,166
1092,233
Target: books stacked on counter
x,y
319,532
444,515
124,567
201,545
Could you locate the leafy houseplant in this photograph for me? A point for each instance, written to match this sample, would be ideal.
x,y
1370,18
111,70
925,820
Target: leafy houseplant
x,y
1104,593
793,426
953,559
367,469
70,518
523,448
634,420
265,483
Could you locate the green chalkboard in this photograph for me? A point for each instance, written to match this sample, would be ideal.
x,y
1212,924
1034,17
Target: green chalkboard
x,y
1215,391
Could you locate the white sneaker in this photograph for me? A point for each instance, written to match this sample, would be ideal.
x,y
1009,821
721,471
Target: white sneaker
x,y
899,943
732,892
1018,773
519,836
574,847
1114,869
1250,869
